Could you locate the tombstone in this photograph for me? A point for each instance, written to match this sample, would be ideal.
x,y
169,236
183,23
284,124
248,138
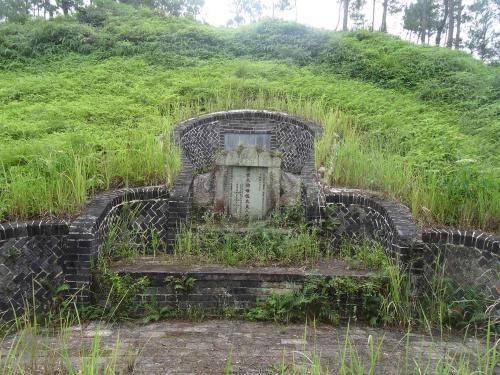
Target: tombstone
x,y
247,180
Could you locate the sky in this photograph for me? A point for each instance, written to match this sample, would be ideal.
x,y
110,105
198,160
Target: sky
x,y
317,13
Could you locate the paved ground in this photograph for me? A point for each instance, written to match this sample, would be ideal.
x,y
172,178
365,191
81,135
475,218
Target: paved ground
x,y
173,347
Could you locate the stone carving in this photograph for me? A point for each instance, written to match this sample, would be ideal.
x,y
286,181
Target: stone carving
x,y
247,182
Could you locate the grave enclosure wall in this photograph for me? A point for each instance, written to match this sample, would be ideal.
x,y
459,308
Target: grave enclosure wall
x,y
468,258
37,257
201,138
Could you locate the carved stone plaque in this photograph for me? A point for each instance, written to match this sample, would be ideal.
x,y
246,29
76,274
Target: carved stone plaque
x,y
246,192
247,183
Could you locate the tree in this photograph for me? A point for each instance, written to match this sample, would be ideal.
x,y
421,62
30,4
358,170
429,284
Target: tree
x,y
356,13
15,10
66,5
372,28
282,5
484,40
459,23
391,6
421,17
175,8
451,23
345,18
442,23
246,11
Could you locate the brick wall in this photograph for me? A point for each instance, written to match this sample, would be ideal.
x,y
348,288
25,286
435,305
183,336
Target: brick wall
x,y
31,253
31,264
468,258
87,233
366,214
215,288
293,136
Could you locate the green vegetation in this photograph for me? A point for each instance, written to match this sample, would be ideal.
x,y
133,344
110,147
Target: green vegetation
x,y
387,296
317,301
87,106
384,301
31,351
284,239
308,360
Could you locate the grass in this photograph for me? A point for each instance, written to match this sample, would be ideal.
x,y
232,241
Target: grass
x,y
52,349
85,108
260,245
33,349
355,357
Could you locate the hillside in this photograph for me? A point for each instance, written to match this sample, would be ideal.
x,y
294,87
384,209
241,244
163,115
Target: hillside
x,y
87,104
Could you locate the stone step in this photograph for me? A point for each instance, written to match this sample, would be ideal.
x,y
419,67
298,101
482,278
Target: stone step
x,y
240,228
216,288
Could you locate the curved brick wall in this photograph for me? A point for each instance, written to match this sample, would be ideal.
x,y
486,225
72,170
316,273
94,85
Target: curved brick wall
x,y
31,263
87,233
202,136
468,258
366,214
37,257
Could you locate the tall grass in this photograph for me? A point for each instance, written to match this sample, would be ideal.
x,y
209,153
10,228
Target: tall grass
x,y
34,349
57,180
356,357
258,246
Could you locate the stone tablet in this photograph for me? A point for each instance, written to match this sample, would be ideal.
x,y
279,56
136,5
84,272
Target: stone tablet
x,y
247,183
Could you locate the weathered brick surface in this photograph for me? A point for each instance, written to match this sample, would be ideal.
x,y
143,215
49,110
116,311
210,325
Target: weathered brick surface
x,y
31,264
219,288
88,232
366,214
469,258
201,137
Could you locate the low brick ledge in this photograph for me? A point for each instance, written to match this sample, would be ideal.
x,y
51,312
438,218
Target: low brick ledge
x,y
469,238
149,266
16,229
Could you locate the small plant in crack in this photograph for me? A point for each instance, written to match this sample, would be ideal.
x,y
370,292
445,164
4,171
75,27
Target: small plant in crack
x,y
180,286
13,253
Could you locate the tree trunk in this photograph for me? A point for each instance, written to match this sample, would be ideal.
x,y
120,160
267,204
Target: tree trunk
x,y
338,19
451,23
442,23
383,26
373,16
423,23
459,23
346,15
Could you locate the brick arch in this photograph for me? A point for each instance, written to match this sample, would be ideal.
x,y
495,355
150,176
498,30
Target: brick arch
x,y
201,137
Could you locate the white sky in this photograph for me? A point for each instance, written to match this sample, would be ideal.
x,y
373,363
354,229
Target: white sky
x,y
317,13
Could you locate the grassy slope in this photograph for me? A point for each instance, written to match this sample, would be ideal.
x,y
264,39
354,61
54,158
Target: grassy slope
x,y
76,116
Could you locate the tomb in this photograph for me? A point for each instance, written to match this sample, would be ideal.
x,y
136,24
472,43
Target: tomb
x,y
244,163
